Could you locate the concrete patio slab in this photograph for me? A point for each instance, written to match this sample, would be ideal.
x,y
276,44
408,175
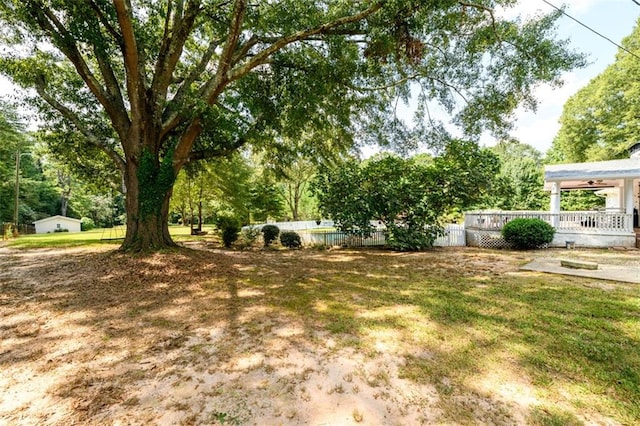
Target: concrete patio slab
x,y
621,273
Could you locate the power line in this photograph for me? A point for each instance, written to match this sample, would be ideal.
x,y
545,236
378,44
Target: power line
x,y
594,31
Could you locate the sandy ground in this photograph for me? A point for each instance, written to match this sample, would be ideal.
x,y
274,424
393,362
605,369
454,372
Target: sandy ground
x,y
89,336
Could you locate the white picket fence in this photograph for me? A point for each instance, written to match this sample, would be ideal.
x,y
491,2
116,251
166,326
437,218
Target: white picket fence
x,y
454,236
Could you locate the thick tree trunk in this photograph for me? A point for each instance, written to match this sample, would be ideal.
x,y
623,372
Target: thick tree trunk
x,y
64,203
147,224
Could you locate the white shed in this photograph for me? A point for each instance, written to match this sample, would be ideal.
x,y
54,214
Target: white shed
x,y
51,224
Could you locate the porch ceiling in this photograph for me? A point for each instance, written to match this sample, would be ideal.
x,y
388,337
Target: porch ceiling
x,y
594,175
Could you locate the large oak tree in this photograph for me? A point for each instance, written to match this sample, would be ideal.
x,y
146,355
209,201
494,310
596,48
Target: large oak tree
x,y
157,84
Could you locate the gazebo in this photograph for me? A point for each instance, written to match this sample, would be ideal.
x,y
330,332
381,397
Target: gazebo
x,y
618,180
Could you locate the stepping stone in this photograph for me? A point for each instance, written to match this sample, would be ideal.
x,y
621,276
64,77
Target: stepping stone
x,y
578,264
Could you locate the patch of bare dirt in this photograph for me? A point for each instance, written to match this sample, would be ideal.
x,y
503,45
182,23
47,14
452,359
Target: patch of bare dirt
x,y
211,337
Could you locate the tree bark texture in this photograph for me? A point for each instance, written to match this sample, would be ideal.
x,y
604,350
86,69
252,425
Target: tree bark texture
x,y
147,219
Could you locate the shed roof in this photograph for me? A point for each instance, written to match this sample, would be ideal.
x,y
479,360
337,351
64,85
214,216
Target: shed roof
x,y
57,217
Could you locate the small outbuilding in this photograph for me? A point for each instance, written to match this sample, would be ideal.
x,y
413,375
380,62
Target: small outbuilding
x,y
57,224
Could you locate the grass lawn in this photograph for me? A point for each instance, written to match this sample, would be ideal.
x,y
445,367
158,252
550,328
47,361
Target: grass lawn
x,y
112,236
209,336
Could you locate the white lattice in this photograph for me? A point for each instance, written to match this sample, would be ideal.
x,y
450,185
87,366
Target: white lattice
x,y
486,239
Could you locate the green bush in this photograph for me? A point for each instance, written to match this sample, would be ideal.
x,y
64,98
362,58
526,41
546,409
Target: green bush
x,y
61,230
290,239
87,224
411,239
249,236
526,234
270,234
229,226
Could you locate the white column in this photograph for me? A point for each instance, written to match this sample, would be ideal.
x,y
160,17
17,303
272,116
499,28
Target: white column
x,y
555,203
628,196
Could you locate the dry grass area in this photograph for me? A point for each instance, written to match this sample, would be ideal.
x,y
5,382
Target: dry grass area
x,y
208,336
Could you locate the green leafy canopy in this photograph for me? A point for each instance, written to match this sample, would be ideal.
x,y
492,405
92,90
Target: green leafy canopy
x,y
196,79
408,197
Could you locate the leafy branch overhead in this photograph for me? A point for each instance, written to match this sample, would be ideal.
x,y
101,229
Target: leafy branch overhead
x,y
191,79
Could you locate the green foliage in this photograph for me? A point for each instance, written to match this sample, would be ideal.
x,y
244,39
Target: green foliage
x,y
216,186
290,68
157,180
265,199
581,201
526,234
410,198
290,239
270,234
411,239
520,181
38,196
229,226
87,224
600,122
250,236
61,230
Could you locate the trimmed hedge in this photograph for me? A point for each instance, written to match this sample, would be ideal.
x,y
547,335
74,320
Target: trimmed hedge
x,y
290,239
270,234
526,234
230,228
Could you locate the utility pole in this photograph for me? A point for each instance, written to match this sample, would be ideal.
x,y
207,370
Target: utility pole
x,y
15,211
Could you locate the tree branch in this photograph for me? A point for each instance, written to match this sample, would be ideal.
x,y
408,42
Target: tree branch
x,y
75,120
301,35
489,10
215,86
386,86
221,78
49,23
121,121
225,74
217,152
106,24
172,47
173,117
133,67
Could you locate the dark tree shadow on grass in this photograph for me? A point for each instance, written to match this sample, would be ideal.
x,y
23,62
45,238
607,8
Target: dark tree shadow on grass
x,y
131,311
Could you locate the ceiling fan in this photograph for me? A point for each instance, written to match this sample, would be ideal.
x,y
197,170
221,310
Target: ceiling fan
x,y
599,183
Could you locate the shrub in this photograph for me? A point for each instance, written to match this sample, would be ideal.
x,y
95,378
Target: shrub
x,y
229,226
527,234
411,239
270,234
87,224
61,230
290,239
250,236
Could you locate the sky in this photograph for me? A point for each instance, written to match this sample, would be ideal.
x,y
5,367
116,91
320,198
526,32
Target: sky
x,y
614,19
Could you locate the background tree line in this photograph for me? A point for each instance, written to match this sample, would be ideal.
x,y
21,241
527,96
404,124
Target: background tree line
x,y
248,185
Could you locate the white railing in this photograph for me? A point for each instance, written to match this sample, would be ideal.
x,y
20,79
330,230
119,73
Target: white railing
x,y
584,221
